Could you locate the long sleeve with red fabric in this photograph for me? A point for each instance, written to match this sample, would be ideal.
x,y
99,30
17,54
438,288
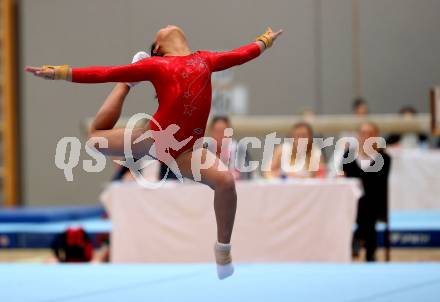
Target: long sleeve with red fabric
x,y
144,70
227,59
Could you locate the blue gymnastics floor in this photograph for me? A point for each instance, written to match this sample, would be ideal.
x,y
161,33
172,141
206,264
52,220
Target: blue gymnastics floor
x,y
251,282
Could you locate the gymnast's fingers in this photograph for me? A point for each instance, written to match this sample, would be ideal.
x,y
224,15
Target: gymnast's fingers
x,y
32,69
278,33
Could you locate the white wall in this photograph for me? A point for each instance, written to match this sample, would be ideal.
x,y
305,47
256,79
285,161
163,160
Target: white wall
x,y
400,43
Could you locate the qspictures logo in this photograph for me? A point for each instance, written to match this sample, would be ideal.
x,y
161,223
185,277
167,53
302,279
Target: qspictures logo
x,y
156,145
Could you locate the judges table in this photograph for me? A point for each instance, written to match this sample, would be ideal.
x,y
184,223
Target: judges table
x,y
414,181
292,220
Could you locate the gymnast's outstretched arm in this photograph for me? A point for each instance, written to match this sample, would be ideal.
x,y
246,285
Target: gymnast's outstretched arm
x,y
227,59
144,70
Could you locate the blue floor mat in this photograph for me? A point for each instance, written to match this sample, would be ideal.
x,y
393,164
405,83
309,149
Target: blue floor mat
x,y
50,214
408,229
253,282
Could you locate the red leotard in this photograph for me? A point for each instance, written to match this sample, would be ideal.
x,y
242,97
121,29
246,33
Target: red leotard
x,y
182,83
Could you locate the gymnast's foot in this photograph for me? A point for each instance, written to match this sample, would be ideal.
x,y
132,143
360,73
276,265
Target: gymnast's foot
x,y
224,260
137,57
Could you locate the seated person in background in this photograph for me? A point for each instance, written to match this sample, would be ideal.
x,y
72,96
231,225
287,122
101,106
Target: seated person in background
x,y
373,204
229,151
298,157
360,107
407,140
359,110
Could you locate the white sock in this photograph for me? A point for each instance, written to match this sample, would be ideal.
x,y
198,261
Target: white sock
x,y
223,259
137,57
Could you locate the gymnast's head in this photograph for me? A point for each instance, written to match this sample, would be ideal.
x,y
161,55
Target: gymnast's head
x,y
169,39
368,130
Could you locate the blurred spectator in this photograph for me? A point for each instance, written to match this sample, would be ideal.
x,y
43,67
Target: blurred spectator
x,y
233,154
360,107
359,110
73,245
302,163
373,204
407,140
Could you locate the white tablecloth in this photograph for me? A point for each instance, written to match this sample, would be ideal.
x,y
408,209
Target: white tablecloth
x,y
300,220
414,179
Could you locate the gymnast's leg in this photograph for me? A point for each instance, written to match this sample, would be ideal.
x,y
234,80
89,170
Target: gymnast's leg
x,y
106,119
110,111
225,202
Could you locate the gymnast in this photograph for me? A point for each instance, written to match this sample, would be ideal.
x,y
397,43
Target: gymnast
x,y
182,80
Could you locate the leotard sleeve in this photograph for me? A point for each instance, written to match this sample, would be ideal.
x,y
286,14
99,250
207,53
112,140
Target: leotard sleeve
x,y
227,59
144,70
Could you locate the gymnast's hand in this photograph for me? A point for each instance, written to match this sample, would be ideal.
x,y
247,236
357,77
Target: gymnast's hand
x,y
266,40
274,35
48,72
